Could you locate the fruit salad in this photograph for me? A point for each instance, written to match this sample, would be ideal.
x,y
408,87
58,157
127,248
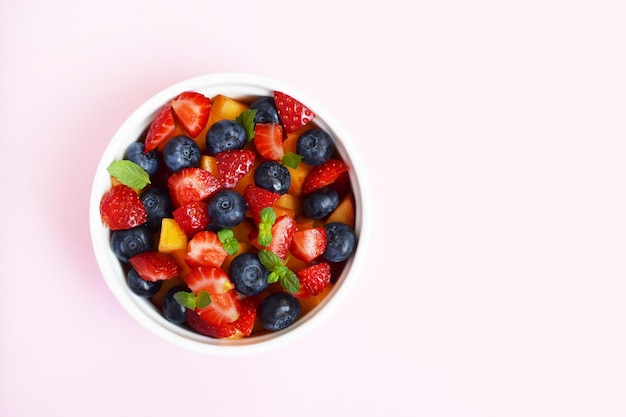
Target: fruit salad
x,y
233,217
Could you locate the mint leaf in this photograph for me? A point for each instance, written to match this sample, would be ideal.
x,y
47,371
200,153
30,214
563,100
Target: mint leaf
x,y
229,241
290,281
272,278
246,120
185,299
203,299
291,159
129,173
270,260
268,218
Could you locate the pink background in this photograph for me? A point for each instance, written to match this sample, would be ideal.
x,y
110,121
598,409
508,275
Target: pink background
x,y
495,136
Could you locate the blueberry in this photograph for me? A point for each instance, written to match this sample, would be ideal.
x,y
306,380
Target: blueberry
x,y
140,286
173,311
248,274
127,243
225,135
158,205
340,242
320,203
181,152
266,110
315,146
272,176
227,208
149,162
278,310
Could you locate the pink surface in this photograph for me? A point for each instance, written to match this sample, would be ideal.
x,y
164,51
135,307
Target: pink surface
x,y
495,138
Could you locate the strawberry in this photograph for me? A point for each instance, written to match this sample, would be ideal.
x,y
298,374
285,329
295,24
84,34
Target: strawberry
x,y
293,114
155,266
161,129
210,279
192,217
268,140
245,323
258,198
201,326
121,208
313,279
324,174
224,308
205,248
192,111
233,165
192,184
282,235
308,244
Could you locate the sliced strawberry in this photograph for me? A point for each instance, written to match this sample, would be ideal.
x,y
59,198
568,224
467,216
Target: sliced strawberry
x,y
293,114
155,266
268,140
233,165
192,184
313,279
192,217
324,174
282,236
192,111
161,129
203,327
308,244
205,248
224,308
258,198
121,208
245,323
210,279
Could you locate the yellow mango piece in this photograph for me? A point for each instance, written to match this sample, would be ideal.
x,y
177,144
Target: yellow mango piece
x,y
209,163
291,202
172,237
344,212
297,178
309,303
223,107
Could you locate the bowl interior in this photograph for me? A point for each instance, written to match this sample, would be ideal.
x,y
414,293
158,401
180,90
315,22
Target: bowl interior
x,y
244,87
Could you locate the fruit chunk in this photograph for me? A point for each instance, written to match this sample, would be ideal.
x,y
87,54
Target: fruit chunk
x,y
313,279
206,249
224,308
155,266
268,140
259,198
210,279
233,165
344,213
192,111
308,244
192,217
121,208
323,175
161,129
293,114
282,235
223,107
192,184
172,237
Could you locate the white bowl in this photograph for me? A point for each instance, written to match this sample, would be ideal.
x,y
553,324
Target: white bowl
x,y
242,86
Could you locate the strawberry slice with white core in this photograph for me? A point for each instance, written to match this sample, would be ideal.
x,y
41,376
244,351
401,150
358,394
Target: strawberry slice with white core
x,y
161,129
205,248
192,184
155,266
268,140
282,235
293,114
323,175
192,111
210,279
224,308
308,244
233,165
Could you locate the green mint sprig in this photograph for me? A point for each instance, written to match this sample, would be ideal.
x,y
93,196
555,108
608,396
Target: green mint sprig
x,y
279,272
246,120
291,159
129,173
229,241
268,218
191,301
